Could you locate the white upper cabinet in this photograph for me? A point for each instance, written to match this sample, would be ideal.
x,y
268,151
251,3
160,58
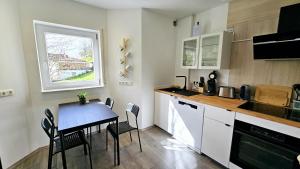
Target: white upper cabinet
x,y
190,52
215,50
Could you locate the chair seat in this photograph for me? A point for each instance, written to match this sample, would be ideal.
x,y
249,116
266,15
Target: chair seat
x,y
123,128
70,141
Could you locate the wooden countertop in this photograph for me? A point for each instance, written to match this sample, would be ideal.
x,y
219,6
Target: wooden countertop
x,y
232,104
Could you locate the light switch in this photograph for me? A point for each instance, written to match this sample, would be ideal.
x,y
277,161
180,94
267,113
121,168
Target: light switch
x,y
6,92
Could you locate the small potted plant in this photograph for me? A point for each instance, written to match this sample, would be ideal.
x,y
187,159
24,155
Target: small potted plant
x,y
82,97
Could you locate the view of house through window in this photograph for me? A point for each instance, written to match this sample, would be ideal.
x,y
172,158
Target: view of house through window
x,y
70,58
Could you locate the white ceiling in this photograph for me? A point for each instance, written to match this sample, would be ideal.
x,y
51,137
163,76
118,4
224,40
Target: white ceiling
x,y
172,8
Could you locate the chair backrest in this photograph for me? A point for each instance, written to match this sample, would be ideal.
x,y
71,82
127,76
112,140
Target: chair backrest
x,y
50,116
109,102
133,108
48,128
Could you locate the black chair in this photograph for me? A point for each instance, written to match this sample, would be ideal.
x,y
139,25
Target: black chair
x,y
109,103
50,117
71,140
124,126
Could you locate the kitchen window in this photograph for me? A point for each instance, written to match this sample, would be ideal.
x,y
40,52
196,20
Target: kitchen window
x,y
69,57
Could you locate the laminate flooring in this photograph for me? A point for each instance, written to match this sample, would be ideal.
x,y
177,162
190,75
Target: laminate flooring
x,y
160,151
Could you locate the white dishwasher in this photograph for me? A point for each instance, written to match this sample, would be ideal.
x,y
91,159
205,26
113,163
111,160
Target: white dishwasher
x,y
187,122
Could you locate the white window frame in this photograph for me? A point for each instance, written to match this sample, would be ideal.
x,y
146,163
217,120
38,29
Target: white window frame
x,y
40,28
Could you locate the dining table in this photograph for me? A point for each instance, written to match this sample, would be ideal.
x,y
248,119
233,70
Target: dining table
x,y
75,116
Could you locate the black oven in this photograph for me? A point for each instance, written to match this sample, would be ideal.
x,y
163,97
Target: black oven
x,y
255,147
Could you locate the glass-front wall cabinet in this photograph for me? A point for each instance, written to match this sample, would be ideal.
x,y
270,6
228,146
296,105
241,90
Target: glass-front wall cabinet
x,y
215,51
190,53
210,51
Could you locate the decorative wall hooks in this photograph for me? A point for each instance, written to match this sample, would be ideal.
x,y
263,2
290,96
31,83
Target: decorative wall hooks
x,y
124,60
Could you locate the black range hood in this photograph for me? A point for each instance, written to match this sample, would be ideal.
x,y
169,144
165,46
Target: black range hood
x,y
285,44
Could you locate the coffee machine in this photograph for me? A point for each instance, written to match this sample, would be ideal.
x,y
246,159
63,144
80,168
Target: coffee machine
x,y
296,88
296,101
211,84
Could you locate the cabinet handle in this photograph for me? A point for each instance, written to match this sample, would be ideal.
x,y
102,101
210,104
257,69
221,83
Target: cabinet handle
x,y
184,103
228,125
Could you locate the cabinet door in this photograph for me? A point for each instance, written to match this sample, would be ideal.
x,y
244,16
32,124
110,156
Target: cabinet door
x,y
219,114
188,120
216,140
210,51
163,106
190,52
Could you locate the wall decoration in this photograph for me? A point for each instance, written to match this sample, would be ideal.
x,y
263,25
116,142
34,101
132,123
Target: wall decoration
x,y
124,61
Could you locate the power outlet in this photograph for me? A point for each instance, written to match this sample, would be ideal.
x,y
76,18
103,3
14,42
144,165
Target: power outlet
x,y
126,83
6,92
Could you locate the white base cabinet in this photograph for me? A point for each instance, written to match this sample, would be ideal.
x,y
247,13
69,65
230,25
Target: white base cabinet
x,y
187,122
163,108
205,129
216,142
217,134
181,118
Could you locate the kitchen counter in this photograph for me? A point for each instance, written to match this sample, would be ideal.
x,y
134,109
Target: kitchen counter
x,y
232,104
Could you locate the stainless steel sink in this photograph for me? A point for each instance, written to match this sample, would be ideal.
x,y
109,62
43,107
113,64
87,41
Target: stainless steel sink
x,y
180,91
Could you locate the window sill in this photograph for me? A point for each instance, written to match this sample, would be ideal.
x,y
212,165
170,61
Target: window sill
x,y
70,89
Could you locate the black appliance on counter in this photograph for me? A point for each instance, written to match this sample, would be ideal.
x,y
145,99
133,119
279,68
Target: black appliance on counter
x,y
211,84
284,44
255,147
245,92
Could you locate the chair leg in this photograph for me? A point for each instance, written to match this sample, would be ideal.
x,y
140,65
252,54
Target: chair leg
x,y
106,139
115,152
50,157
87,132
90,156
130,136
91,136
84,148
99,131
139,140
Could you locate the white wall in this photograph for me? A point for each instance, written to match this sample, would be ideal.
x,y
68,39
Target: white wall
x,y
158,51
14,142
183,30
62,12
120,24
149,66
212,21
151,43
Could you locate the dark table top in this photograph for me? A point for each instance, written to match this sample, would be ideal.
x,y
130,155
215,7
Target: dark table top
x,y
73,116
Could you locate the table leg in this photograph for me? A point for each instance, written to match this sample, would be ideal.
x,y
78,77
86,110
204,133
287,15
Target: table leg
x,y
118,143
0,164
63,155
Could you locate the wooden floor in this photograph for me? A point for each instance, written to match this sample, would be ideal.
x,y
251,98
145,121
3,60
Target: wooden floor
x,y
160,151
